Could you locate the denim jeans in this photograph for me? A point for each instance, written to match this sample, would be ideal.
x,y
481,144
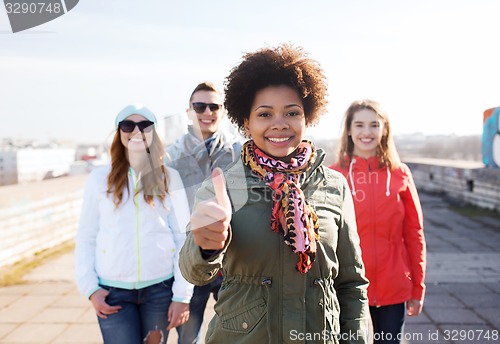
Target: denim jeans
x,y
388,322
189,333
143,310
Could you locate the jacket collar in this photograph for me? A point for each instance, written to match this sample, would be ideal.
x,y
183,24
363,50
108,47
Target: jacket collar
x,y
370,164
239,171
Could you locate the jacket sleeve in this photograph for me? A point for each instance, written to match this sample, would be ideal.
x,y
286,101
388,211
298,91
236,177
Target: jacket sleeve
x,y
351,284
413,234
194,267
85,240
178,219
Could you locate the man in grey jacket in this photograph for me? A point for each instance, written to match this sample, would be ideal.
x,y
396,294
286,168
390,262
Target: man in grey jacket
x,y
195,155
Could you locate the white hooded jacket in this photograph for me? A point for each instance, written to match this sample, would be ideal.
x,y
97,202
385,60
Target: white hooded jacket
x,y
135,245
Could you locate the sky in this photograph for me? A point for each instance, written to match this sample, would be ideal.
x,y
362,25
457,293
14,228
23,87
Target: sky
x,y
432,64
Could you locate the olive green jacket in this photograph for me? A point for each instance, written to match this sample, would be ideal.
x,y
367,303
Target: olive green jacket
x,y
263,298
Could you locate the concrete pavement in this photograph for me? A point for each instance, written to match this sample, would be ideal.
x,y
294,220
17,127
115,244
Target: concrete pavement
x,y
49,308
462,303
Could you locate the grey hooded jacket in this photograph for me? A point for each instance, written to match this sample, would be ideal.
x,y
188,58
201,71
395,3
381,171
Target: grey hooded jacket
x,y
195,159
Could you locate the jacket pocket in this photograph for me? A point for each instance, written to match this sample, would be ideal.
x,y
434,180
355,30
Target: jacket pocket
x,y
246,318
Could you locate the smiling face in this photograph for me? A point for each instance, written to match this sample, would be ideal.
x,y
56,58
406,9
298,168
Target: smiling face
x,y
277,121
367,130
208,121
134,141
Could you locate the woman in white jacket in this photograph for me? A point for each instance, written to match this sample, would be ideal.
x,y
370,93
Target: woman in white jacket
x,y
131,230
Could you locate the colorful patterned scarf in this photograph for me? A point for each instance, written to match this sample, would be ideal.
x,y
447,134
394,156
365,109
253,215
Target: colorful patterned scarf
x,y
291,216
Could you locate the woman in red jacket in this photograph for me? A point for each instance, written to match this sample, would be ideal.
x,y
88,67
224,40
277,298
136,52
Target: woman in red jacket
x,y
389,218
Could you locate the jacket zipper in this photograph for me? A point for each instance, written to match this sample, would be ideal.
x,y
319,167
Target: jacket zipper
x,y
374,228
137,229
280,296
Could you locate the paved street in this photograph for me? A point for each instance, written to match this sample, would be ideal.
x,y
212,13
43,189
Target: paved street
x,y
463,275
462,303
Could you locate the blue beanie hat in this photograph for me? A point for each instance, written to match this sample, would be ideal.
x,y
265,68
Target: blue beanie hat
x,y
135,109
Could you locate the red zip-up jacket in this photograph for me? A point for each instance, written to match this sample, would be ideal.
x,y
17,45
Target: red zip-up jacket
x,y
390,226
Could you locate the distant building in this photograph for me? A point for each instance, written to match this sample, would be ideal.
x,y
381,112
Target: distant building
x,y
174,127
8,167
87,152
27,164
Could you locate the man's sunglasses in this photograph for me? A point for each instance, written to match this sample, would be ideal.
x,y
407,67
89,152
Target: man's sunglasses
x,y
128,126
200,107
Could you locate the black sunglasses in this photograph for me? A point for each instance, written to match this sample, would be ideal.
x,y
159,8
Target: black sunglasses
x,y
200,107
128,126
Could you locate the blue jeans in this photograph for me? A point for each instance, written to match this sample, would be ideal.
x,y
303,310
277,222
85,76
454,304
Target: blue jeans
x,y
388,322
143,310
189,333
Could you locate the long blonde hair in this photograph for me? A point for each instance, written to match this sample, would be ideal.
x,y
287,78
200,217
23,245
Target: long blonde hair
x,y
386,150
154,182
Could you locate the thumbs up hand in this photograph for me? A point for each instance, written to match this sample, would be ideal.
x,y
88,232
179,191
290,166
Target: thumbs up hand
x,y
210,219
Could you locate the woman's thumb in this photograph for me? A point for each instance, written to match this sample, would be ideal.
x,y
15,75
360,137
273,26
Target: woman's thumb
x,y
220,188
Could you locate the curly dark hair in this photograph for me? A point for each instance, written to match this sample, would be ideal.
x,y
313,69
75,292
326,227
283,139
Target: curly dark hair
x,y
283,65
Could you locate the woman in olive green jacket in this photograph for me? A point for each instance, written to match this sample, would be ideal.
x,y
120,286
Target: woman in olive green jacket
x,y
281,226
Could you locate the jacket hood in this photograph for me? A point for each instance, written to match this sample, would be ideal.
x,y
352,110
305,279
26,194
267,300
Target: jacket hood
x,y
373,163
239,176
189,144
370,164
317,164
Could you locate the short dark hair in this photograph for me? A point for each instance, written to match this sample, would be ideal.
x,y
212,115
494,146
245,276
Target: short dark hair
x,y
282,65
203,86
